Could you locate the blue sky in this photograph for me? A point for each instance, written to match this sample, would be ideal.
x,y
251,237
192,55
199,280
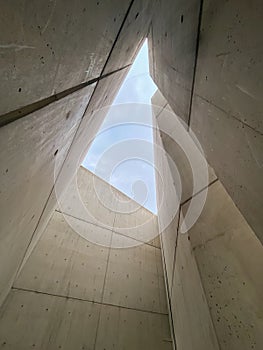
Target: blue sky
x,y
122,152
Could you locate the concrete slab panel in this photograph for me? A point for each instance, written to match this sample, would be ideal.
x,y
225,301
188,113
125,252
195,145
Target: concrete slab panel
x,y
54,46
97,109
31,148
135,277
193,325
178,158
104,94
174,32
169,243
38,321
137,222
63,263
131,36
130,333
235,151
83,201
229,69
158,103
229,258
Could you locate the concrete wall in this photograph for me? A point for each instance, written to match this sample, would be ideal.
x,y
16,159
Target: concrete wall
x,y
60,61
212,271
206,60
74,293
59,64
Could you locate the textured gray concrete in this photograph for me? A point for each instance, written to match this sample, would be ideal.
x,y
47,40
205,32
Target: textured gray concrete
x,y
206,58
210,73
60,47
69,284
172,40
31,148
227,104
213,272
229,258
54,46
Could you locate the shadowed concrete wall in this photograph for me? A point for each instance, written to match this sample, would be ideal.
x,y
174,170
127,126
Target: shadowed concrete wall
x,y
207,62
213,271
54,65
74,293
60,61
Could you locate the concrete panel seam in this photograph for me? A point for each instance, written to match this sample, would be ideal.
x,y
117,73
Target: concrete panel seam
x,y
175,247
103,290
229,115
195,61
198,192
162,110
35,106
118,34
112,230
168,297
88,301
116,189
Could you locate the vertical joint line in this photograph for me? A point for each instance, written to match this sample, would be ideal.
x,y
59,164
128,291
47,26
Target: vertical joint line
x,y
195,62
175,248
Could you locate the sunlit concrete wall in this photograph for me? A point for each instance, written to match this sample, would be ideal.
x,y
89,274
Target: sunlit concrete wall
x,y
59,63
213,271
73,293
206,59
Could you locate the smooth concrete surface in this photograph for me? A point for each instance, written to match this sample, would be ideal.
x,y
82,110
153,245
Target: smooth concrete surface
x,y
65,323
229,258
53,46
132,34
210,73
41,198
213,272
95,113
227,105
103,205
31,149
64,264
206,58
69,284
172,40
32,320
237,161
193,324
176,156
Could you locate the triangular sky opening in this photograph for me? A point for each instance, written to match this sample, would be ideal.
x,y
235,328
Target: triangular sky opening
x,y
134,176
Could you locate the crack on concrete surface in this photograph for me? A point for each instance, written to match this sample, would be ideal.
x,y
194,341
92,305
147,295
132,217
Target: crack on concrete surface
x,y
50,17
35,106
202,245
26,290
16,47
223,54
246,92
